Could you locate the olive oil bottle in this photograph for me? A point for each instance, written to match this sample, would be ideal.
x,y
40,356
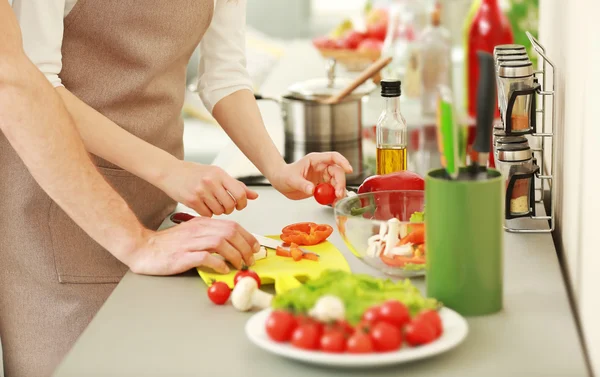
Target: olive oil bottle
x,y
392,131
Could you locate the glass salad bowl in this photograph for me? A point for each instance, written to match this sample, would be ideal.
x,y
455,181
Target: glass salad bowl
x,y
385,230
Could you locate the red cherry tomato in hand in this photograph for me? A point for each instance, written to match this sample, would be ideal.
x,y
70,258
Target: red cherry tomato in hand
x,y
433,317
219,292
324,193
419,332
306,337
281,325
386,337
333,341
360,342
244,272
395,313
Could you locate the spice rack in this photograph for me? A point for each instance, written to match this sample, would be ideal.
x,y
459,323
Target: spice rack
x,y
543,135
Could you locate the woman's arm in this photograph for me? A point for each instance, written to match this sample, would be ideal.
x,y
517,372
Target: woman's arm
x,y
226,88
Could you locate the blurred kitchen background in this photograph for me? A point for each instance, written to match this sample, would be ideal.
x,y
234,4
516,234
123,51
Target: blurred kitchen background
x,y
281,52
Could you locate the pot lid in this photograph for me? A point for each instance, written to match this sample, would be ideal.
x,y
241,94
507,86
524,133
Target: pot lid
x,y
515,69
320,88
514,153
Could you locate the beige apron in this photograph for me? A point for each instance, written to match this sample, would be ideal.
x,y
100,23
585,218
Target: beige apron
x,y
127,59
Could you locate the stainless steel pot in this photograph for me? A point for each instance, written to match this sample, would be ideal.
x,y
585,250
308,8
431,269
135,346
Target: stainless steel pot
x,y
311,126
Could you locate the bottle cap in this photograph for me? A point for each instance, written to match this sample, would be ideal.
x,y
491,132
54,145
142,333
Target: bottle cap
x,y
391,88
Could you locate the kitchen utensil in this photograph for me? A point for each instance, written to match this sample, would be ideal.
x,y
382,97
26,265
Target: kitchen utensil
x,y
464,239
284,272
486,99
518,97
447,133
310,126
368,73
360,217
515,162
270,243
455,332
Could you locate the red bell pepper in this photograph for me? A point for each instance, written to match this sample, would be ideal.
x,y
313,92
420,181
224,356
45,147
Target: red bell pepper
x,y
397,205
306,233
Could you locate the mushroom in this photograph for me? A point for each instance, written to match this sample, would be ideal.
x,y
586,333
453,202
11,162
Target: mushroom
x,y
328,308
246,295
403,250
391,239
260,254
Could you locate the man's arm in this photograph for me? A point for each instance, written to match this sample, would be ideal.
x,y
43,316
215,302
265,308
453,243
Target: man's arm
x,y
39,128
37,125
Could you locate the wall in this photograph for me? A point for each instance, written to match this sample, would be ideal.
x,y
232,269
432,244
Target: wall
x,y
569,31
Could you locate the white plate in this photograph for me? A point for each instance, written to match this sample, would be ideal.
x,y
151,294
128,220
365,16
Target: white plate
x,y
455,331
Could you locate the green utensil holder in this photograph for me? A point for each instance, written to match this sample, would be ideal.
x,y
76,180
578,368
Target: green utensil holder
x,y
464,238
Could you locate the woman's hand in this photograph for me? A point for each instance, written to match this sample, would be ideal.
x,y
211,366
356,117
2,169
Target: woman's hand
x,y
190,245
298,180
206,189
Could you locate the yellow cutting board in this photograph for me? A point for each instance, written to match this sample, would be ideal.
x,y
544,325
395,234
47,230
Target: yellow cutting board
x,y
284,272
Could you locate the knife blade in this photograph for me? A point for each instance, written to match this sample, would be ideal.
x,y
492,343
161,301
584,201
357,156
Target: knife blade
x,y
269,243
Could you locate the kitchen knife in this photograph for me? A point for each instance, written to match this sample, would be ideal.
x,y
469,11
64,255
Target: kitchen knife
x,y
269,243
447,133
486,100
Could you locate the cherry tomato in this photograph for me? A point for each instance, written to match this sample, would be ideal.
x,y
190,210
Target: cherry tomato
x,y
324,193
434,319
246,272
363,326
333,341
345,327
306,337
281,325
419,331
371,315
395,313
386,337
219,292
360,342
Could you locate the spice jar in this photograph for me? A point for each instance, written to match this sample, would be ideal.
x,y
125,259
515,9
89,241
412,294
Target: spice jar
x,y
518,96
506,56
515,162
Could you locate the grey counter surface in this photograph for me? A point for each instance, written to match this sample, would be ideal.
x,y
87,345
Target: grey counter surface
x,y
166,326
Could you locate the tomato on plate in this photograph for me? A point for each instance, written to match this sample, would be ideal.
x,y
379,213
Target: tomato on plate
x,y
386,337
306,233
245,272
344,326
306,336
395,313
281,325
324,193
419,332
400,261
360,342
433,317
333,341
219,292
371,315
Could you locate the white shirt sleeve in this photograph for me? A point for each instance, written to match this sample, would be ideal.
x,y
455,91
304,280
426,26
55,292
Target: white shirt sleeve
x,y
41,24
222,68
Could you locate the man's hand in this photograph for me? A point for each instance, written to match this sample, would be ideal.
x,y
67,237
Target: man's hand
x,y
190,245
298,180
206,189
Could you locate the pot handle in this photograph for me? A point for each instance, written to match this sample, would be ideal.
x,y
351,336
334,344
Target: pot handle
x,y
260,97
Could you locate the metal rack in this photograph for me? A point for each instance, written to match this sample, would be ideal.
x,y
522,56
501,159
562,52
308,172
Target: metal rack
x,y
545,177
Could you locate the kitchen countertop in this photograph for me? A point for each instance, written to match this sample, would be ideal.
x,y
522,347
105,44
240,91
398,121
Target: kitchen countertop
x,y
166,326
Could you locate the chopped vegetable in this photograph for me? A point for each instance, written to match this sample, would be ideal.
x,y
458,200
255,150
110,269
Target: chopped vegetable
x,y
306,233
417,217
358,292
416,236
295,253
261,254
400,261
414,267
283,252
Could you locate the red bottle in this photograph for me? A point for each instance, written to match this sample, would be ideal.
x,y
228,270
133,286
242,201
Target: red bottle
x,y
488,28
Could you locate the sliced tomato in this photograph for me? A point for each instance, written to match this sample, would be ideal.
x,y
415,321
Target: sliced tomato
x,y
400,261
306,233
416,236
